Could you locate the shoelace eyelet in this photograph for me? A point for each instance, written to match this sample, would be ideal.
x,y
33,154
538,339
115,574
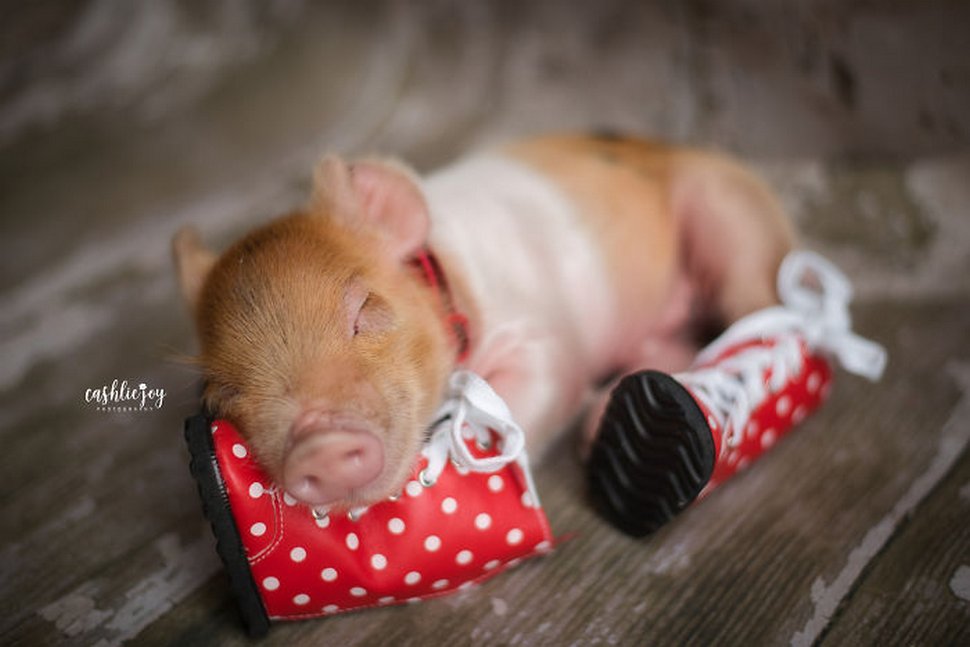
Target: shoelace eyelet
x,y
426,480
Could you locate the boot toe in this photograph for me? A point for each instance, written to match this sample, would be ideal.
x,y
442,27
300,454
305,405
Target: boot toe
x,y
653,455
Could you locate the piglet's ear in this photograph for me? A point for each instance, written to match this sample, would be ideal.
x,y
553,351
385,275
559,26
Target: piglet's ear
x,y
382,194
193,263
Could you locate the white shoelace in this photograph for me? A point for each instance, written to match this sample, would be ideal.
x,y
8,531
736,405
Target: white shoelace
x,y
819,316
473,408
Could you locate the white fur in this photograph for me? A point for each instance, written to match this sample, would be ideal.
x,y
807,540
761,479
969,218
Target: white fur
x,y
537,279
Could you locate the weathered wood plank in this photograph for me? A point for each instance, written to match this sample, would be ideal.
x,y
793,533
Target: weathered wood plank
x,y
918,591
101,536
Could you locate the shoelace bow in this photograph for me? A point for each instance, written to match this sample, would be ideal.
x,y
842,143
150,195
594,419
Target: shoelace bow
x,y
471,410
819,318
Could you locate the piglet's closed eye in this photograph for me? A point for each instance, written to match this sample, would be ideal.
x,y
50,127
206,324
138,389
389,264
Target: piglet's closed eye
x,y
367,311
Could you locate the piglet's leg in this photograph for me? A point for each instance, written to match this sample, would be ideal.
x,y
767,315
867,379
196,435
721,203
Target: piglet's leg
x,y
734,235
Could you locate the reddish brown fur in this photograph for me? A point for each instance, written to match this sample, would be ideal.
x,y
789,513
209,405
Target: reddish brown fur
x,y
273,327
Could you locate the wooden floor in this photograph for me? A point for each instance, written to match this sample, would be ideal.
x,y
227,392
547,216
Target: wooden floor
x,y
854,530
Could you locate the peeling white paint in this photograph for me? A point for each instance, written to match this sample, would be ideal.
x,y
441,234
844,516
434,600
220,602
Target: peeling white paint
x,y
76,613
960,583
184,568
954,439
671,558
941,189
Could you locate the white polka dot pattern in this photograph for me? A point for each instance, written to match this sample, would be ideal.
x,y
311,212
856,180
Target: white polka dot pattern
x,y
431,540
413,488
773,417
768,438
783,406
814,382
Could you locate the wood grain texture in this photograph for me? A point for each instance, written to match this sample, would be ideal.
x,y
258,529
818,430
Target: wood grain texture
x,y
853,530
916,592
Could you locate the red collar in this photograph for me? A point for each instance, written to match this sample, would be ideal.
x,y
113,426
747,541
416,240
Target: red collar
x,y
457,322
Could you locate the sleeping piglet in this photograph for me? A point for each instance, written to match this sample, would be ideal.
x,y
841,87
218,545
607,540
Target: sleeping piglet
x,y
574,258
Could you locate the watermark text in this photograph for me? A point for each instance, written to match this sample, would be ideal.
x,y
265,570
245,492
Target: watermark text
x,y
121,396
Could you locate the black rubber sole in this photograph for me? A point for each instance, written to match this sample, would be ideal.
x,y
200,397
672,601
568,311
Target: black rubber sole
x,y
652,456
215,506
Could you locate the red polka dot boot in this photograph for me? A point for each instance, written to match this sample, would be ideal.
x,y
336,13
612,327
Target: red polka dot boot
x,y
469,512
665,440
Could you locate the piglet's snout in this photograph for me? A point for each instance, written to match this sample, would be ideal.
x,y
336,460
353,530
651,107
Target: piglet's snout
x,y
328,458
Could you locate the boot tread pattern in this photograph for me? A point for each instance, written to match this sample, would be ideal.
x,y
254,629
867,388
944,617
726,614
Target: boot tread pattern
x,y
653,453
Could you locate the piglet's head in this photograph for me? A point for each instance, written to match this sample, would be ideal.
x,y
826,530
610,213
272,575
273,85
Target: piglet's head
x,y
317,339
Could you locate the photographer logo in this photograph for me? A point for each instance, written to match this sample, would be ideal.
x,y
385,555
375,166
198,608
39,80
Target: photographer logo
x,y
121,396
